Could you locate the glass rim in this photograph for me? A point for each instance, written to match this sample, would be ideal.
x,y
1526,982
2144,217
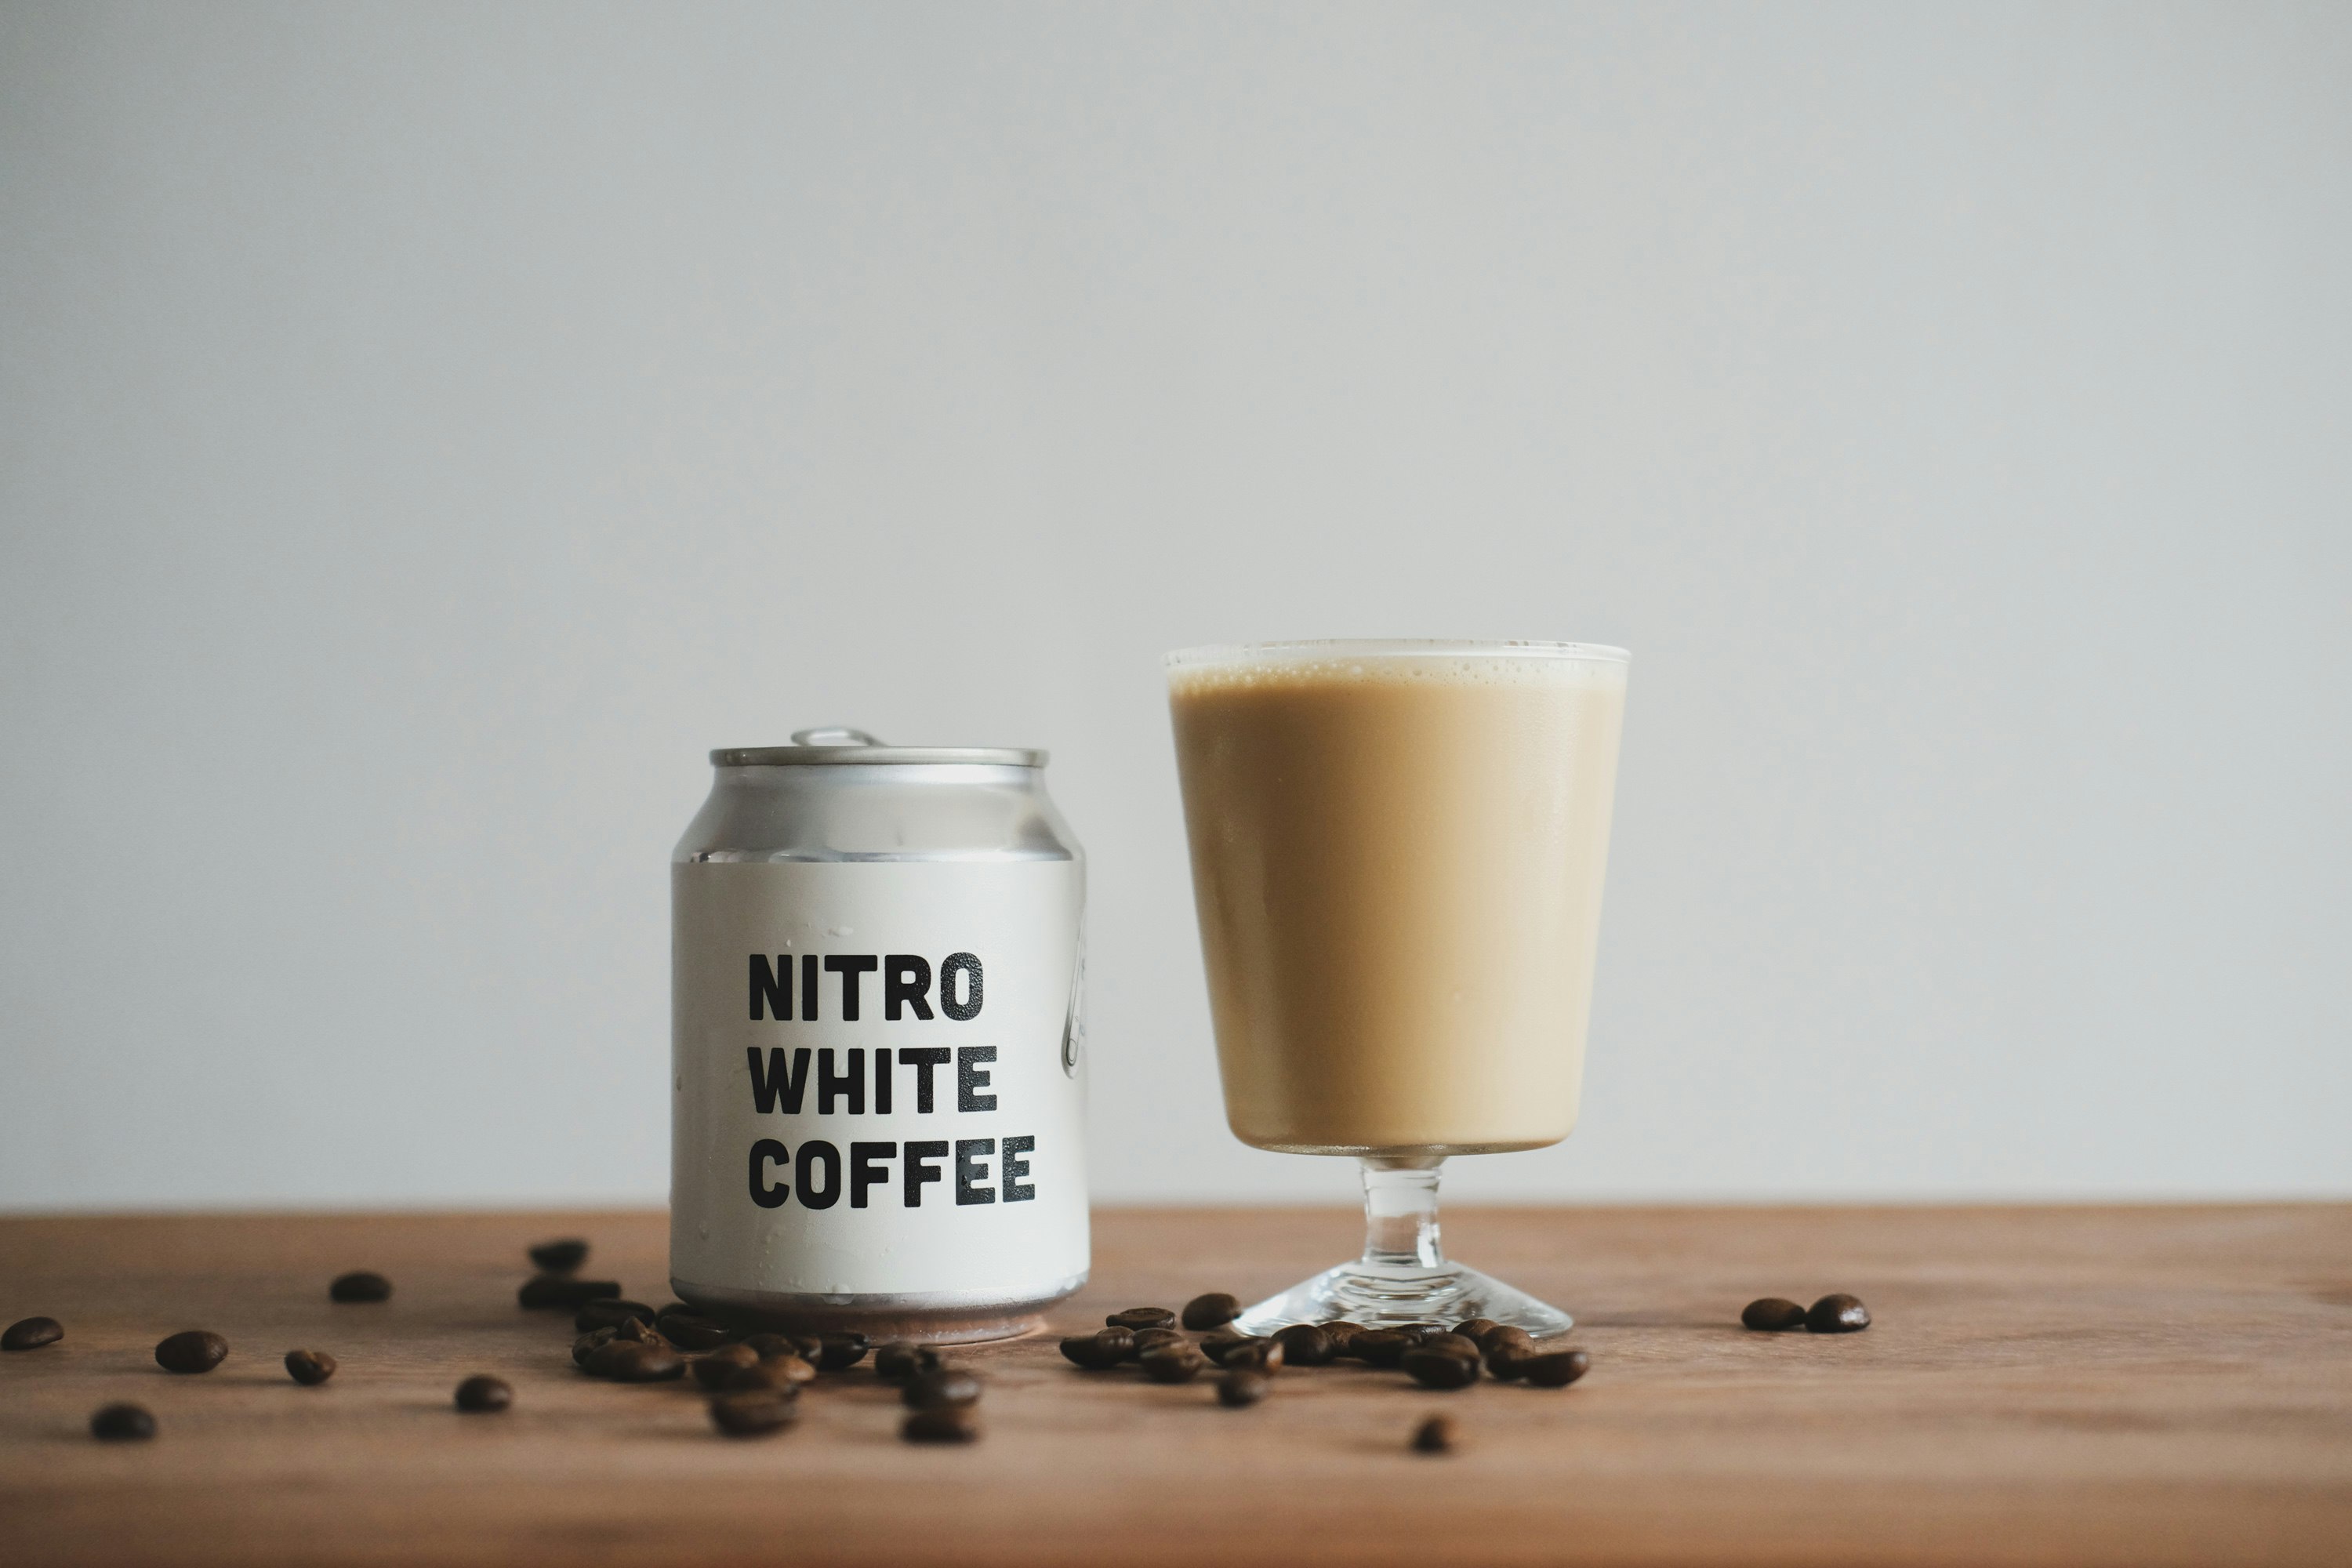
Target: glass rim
x,y
1391,648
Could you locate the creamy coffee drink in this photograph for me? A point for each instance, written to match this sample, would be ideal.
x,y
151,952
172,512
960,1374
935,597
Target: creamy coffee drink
x,y
1397,856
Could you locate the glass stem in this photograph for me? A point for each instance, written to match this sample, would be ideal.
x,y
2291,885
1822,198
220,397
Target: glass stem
x,y
1401,1214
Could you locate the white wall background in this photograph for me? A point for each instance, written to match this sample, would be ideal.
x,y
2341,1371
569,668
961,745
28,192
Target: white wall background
x,y
426,430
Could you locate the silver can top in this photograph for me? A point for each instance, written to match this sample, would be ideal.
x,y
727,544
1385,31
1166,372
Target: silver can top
x,y
836,744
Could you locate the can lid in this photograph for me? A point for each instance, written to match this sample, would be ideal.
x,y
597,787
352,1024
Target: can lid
x,y
835,743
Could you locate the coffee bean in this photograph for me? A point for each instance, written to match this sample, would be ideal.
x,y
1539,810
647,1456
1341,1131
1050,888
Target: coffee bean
x,y
31,1334
1096,1353
632,1361
1379,1347
1440,1369
1222,1343
561,1292
750,1413
1241,1388
1147,1340
691,1330
803,1346
309,1368
611,1312
1255,1355
638,1330
1436,1435
1771,1314
944,1423
1173,1364
197,1350
1451,1345
1342,1334
1508,1336
480,1394
839,1353
1509,1362
360,1286
122,1424
562,1257
899,1361
780,1373
1213,1311
1476,1330
1555,1368
1142,1318
714,1369
947,1385
1304,1344
1839,1314
587,1345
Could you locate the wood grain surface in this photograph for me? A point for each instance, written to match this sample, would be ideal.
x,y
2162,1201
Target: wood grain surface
x,y
2050,1385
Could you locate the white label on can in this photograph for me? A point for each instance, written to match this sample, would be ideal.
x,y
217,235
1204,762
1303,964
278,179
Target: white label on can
x,y
870,1091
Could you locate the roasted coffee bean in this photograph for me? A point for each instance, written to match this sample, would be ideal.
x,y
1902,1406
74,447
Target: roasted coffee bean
x,y
561,1292
692,1331
611,1312
782,1373
309,1368
1222,1342
633,1361
1173,1364
899,1361
586,1345
362,1285
480,1394
1772,1315
943,1424
1255,1355
1095,1353
803,1346
1122,1338
1838,1314
1213,1311
1304,1344
751,1412
563,1257
640,1330
947,1385
1342,1334
839,1353
1147,1340
716,1368
1476,1330
1142,1318
1379,1347
1440,1369
1509,1362
1240,1387
122,1424
1437,1435
1555,1368
31,1334
197,1350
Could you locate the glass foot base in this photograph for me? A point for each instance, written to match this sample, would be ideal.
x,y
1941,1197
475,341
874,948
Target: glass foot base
x,y
1380,1296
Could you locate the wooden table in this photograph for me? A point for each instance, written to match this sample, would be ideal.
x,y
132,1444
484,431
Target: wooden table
x,y
2075,1385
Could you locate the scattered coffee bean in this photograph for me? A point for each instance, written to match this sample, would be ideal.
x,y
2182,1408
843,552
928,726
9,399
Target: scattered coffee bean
x,y
122,1424
587,1343
197,1350
1173,1364
480,1394
783,1345
781,1374
611,1312
1476,1330
1437,1435
1304,1344
1255,1355
1772,1315
1147,1340
1342,1335
1098,1353
563,1257
1555,1368
1142,1318
1451,1345
1222,1343
640,1330
839,1353
942,1423
714,1369
561,1292
1379,1347
899,1361
1508,1362
1122,1338
633,1360
947,1385
32,1333
693,1331
362,1285
309,1368
1516,1337
1839,1314
1213,1311
1440,1369
750,1413
1241,1388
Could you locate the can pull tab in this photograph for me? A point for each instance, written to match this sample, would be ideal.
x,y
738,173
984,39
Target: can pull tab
x,y
836,735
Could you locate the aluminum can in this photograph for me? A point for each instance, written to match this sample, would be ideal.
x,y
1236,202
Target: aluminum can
x,y
878,1075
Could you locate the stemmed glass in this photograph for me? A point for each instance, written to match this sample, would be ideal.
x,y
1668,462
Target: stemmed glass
x,y
1398,849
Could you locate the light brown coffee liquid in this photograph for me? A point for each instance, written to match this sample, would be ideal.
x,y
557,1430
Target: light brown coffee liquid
x,y
1397,860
